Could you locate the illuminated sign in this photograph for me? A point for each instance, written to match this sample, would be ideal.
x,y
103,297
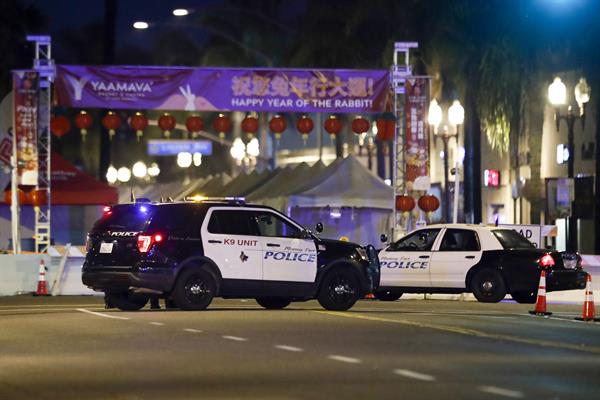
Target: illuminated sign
x,y
491,178
159,147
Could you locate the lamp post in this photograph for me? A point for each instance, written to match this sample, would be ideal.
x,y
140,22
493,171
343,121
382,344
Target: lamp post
x,y
557,95
456,117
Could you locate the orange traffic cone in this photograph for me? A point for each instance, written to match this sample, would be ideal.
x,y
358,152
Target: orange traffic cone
x,y
540,304
42,289
589,312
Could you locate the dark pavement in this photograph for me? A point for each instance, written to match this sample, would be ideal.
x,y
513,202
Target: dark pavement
x,y
71,348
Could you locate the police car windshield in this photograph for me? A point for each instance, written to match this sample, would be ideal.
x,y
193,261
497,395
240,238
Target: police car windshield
x,y
511,239
124,217
421,240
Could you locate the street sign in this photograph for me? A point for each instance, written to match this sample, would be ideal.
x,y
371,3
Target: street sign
x,y
158,147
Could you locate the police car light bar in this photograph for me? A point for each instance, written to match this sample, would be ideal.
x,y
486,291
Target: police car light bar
x,y
198,198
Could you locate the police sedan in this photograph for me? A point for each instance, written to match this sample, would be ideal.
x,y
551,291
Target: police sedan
x,y
488,261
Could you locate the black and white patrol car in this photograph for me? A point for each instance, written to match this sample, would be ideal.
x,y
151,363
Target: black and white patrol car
x,y
189,252
488,261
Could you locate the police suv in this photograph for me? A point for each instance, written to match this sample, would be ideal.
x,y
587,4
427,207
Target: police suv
x,y
488,261
189,252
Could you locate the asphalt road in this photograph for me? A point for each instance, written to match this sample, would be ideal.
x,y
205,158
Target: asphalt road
x,y
71,348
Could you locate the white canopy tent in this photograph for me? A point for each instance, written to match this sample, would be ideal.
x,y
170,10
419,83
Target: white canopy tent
x,y
351,202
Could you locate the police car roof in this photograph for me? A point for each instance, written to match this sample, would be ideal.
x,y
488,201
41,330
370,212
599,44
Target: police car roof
x,y
207,202
462,226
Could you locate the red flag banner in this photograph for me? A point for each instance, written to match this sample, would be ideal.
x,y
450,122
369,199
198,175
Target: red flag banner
x,y
25,91
417,139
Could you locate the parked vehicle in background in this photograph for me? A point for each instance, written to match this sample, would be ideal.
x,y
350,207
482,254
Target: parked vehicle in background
x,y
490,262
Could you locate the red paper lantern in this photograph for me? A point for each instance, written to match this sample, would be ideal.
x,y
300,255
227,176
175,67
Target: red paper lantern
x,y
360,125
333,126
250,125
428,203
38,197
405,203
60,125
112,122
167,123
305,126
194,124
386,129
83,121
22,197
138,122
222,125
278,124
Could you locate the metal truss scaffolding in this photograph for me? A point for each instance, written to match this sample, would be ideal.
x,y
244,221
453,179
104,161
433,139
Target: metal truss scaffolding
x,y
44,65
400,71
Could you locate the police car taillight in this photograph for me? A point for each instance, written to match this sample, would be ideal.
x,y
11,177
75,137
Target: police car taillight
x,y
107,210
145,242
546,261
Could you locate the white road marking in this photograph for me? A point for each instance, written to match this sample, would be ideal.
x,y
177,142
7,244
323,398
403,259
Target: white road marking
x,y
83,310
156,323
349,360
44,306
501,392
190,330
414,375
288,348
235,338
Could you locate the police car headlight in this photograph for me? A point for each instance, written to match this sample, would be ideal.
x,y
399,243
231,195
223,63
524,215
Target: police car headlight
x,y
362,253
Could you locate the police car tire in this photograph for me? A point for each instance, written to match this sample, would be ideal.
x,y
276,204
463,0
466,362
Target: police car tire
x,y
388,295
273,303
488,286
525,297
127,302
333,300
195,289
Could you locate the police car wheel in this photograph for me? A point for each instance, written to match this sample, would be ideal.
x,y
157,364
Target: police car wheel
x,y
488,286
127,302
194,290
339,291
273,303
524,297
388,295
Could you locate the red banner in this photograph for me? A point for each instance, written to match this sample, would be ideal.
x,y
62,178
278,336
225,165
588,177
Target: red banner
x,y
416,142
25,91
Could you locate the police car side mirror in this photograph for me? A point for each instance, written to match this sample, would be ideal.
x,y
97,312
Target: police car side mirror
x,y
319,227
383,238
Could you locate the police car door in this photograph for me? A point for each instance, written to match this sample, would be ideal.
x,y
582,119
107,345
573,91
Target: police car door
x,y
287,255
406,262
229,238
459,250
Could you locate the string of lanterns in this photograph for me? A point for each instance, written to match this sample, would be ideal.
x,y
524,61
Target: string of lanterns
x,y
428,203
138,122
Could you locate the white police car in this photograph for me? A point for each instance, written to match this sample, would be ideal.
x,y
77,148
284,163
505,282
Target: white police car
x,y
488,261
190,252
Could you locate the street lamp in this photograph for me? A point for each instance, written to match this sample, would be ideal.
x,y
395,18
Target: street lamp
x,y
140,25
557,95
180,12
456,116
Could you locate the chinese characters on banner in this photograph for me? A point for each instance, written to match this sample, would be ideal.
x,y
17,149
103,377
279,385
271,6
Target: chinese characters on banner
x,y
417,139
222,89
25,86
